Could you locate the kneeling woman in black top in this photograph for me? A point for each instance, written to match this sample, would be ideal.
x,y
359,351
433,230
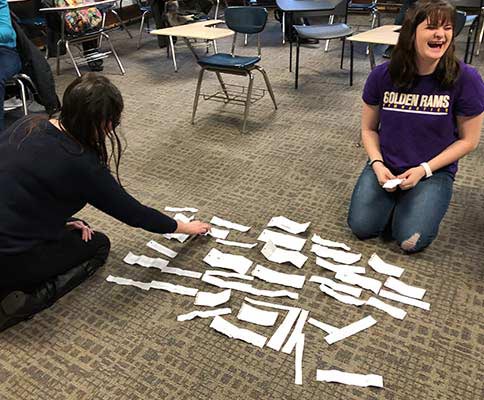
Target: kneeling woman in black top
x,y
49,170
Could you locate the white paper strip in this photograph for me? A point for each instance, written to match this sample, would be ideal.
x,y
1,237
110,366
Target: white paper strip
x,y
350,330
347,378
161,249
181,209
181,237
281,239
239,264
363,281
339,256
288,225
253,315
227,224
404,299
229,275
403,288
247,288
278,255
392,183
291,342
159,264
269,275
395,312
281,333
128,282
218,233
382,267
169,287
353,291
321,325
232,331
344,298
339,267
212,299
203,314
265,304
298,360
329,243
236,244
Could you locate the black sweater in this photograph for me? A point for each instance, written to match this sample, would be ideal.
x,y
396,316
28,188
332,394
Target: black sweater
x,y
46,177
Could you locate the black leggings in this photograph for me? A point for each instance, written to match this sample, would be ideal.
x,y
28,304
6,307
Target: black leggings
x,y
43,263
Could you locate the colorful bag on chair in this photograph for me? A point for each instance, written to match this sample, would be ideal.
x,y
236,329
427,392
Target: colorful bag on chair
x,y
82,20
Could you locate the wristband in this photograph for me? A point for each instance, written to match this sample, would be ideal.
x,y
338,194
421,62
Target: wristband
x,y
428,171
370,163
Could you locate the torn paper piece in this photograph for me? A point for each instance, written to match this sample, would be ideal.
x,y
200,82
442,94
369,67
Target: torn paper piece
x,y
281,333
169,287
404,299
203,314
271,305
236,244
227,224
247,288
353,269
353,291
218,233
269,275
329,243
344,298
321,325
403,288
160,264
283,240
392,183
291,342
239,264
382,267
128,282
253,315
288,225
181,209
395,312
339,256
161,249
350,330
181,237
354,279
229,274
212,299
298,360
278,255
347,378
232,331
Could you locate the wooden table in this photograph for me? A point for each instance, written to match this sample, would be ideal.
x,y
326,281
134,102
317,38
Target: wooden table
x,y
386,34
203,30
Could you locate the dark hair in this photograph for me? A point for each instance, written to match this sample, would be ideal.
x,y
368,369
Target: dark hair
x,y
403,67
91,111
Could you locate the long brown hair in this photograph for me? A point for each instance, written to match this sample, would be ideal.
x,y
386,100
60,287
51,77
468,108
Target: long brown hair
x,y
403,66
91,111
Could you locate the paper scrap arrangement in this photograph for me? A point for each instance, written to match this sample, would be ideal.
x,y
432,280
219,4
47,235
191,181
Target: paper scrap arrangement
x,y
349,285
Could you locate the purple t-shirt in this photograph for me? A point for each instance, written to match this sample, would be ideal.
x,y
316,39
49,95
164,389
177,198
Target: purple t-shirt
x,y
419,123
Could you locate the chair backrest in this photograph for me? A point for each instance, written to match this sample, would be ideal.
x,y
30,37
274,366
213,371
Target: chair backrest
x,y
246,19
460,21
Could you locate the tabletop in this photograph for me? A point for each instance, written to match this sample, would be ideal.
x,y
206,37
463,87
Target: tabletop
x,y
79,6
306,5
197,30
384,34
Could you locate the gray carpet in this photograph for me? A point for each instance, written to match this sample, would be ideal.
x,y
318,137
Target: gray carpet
x,y
104,341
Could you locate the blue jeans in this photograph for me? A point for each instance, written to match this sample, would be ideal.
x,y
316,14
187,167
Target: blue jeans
x,y
9,66
414,215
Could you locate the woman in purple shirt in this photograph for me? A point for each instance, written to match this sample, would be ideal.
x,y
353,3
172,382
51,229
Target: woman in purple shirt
x,y
422,112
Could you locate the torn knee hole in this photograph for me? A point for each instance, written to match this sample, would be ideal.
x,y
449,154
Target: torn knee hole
x,y
411,242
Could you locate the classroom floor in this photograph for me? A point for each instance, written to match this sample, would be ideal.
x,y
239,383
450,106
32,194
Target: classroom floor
x,y
104,341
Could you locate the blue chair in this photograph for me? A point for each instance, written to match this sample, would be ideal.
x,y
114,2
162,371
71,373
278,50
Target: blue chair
x,y
145,9
244,20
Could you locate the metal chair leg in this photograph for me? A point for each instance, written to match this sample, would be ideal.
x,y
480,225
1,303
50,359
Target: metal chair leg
x,y
72,59
23,94
115,54
290,55
342,53
222,84
481,36
215,49
331,20
141,29
268,84
297,62
121,22
283,27
248,100
172,48
197,94
57,57
103,25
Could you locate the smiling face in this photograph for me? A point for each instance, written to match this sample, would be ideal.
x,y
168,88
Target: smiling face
x,y
432,40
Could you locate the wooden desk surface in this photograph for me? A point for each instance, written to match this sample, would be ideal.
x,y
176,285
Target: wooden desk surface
x,y
197,30
71,8
382,35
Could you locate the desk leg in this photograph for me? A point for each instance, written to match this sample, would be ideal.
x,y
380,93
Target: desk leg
x,y
371,55
351,63
172,48
215,50
283,27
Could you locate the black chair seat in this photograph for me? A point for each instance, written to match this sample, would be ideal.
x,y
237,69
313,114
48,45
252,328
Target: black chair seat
x,y
361,7
323,32
226,61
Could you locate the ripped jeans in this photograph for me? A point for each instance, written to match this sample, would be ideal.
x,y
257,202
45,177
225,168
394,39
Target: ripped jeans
x,y
414,214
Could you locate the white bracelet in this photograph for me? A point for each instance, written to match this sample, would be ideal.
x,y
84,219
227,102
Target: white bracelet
x,y
428,171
